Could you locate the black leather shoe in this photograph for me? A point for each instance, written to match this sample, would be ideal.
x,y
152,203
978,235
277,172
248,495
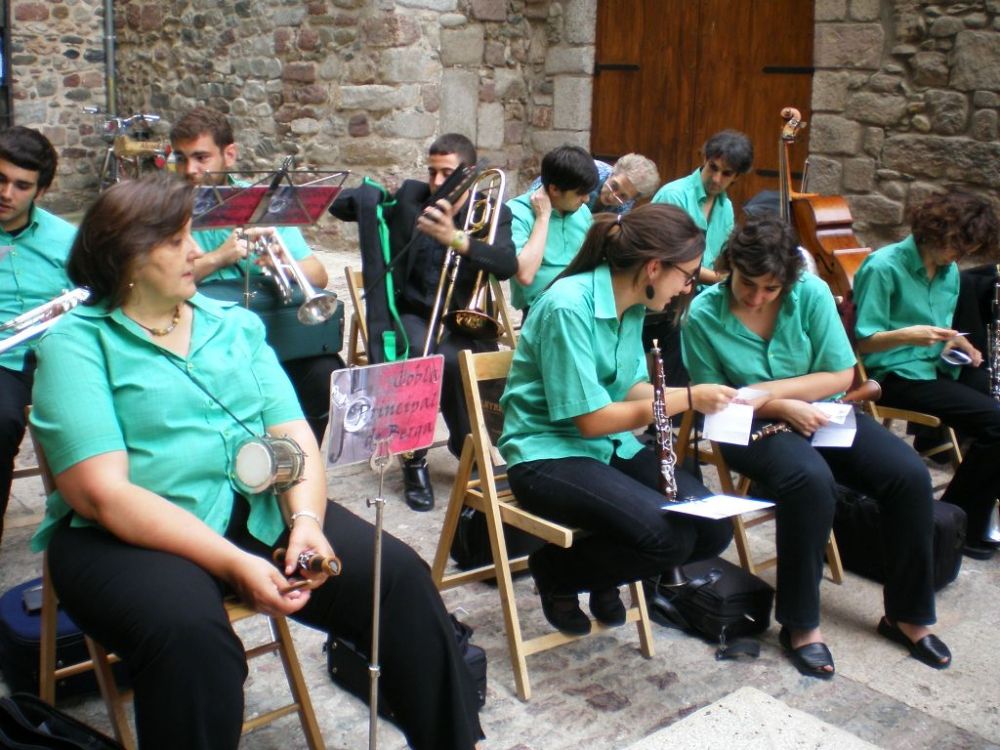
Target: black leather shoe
x,y
811,660
607,607
564,614
417,489
981,551
930,649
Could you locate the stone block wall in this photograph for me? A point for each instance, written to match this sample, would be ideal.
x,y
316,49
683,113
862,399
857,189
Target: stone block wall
x,y
57,67
906,99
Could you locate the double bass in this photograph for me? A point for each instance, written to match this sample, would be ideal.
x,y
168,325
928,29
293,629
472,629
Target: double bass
x,y
824,222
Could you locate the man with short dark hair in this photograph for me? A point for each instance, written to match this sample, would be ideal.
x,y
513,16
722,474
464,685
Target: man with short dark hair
x,y
34,245
203,141
420,233
728,155
551,221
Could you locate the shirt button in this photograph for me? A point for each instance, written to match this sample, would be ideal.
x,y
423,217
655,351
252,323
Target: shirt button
x,y
190,367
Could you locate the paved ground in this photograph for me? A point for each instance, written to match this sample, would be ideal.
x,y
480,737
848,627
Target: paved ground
x,y
600,693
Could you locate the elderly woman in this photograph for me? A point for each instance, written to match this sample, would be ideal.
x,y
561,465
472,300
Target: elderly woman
x,y
774,328
141,400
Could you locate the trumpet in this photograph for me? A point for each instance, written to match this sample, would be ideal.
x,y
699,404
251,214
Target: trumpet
x,y
35,321
481,221
320,304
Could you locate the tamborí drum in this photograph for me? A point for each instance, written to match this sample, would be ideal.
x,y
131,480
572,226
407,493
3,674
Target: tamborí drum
x,y
264,463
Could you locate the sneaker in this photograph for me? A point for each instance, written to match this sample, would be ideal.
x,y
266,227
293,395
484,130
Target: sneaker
x,y
607,607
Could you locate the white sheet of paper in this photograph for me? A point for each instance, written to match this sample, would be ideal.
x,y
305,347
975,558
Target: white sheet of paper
x,y
836,434
835,412
718,506
731,425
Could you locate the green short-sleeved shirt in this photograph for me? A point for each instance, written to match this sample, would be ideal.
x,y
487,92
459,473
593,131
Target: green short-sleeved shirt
x,y
573,357
689,193
565,236
209,239
891,291
808,337
103,385
32,272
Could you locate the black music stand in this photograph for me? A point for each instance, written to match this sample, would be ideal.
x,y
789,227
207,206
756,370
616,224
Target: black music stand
x,y
375,412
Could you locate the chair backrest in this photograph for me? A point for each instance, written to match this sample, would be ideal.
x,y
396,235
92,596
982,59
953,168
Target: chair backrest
x,y
484,376
504,313
358,350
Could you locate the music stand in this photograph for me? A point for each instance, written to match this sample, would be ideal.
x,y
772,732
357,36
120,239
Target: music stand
x,y
376,412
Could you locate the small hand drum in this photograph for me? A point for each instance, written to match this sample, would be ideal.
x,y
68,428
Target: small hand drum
x,y
268,463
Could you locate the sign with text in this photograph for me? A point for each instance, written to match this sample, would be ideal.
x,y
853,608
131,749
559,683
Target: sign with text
x,y
394,400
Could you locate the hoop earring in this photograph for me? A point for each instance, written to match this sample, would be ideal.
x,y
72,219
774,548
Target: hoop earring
x,y
650,291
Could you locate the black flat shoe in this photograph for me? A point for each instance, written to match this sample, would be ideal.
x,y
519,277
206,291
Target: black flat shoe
x,y
564,614
417,489
810,659
607,607
982,551
930,649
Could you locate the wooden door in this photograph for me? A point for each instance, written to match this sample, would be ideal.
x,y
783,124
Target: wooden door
x,y
669,73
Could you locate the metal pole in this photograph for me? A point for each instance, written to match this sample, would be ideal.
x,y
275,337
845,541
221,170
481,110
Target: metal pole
x,y
380,459
109,57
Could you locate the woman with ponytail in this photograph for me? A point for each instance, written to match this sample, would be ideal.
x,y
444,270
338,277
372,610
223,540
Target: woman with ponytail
x,y
577,389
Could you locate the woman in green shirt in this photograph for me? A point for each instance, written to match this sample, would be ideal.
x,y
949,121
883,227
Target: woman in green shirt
x,y
140,402
906,295
577,388
774,328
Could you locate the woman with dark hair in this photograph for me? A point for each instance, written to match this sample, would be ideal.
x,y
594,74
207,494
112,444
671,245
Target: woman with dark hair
x,y
577,388
143,398
774,328
906,295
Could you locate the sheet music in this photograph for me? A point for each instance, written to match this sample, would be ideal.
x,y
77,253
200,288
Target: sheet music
x,y
839,432
732,424
718,506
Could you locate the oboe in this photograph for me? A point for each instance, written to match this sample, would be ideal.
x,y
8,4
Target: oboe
x,y
664,429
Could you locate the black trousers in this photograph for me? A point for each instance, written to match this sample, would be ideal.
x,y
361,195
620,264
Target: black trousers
x,y
802,481
963,405
164,616
15,395
620,505
453,408
310,377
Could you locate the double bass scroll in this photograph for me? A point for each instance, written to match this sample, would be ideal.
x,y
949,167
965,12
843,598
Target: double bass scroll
x,y
823,222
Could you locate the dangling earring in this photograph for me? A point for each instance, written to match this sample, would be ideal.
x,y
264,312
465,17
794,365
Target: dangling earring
x,y
650,291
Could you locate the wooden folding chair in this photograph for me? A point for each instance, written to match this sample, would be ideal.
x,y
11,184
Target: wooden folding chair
x,y
741,487
505,314
357,346
101,661
478,485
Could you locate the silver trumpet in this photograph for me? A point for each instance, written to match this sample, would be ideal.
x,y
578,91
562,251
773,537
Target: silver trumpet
x,y
35,321
284,271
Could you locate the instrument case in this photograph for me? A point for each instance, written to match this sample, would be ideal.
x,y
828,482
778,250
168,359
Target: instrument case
x,y
20,639
857,524
348,667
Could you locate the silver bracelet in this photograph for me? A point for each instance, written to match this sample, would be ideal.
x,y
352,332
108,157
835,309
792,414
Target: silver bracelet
x,y
306,514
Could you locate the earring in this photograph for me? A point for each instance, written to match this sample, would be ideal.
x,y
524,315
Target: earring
x,y
650,292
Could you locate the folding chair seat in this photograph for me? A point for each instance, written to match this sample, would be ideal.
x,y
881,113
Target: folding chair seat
x,y
741,487
480,485
101,661
357,341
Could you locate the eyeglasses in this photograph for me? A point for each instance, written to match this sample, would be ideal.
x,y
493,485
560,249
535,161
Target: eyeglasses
x,y
617,192
690,279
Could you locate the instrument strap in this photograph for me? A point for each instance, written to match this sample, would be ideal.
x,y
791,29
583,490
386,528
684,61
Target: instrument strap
x,y
208,393
388,337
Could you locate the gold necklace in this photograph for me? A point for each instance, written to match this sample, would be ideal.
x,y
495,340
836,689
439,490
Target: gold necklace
x,y
161,331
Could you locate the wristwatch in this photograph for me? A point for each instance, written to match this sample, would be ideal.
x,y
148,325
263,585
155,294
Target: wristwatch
x,y
458,240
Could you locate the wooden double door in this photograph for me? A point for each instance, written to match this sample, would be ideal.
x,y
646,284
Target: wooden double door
x,y
669,73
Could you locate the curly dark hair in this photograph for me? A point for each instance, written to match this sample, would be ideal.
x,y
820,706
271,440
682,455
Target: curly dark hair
x,y
762,246
962,221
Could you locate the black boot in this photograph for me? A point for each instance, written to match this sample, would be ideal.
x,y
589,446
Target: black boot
x,y
417,487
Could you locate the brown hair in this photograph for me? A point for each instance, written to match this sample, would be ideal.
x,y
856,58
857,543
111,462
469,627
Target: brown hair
x,y
762,246
964,222
125,222
202,120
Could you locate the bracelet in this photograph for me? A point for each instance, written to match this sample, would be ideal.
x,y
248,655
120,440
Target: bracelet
x,y
690,402
306,514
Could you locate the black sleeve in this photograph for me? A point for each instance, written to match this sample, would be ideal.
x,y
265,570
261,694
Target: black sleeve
x,y
500,258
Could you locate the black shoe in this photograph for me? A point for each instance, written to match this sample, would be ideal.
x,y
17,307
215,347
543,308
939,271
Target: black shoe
x,y
564,614
607,607
930,649
981,551
417,489
811,659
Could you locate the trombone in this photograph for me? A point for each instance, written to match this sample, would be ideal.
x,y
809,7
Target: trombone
x,y
481,221
320,304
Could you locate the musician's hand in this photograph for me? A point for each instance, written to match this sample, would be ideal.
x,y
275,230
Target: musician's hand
x,y
540,203
801,416
306,536
708,398
233,250
438,222
926,335
262,587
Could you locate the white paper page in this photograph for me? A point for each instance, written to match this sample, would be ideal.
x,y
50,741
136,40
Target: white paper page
x,y
834,434
718,506
732,424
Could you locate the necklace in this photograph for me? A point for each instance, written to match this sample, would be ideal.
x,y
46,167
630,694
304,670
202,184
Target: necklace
x,y
161,331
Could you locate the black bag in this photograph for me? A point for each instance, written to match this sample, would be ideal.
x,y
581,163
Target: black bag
x,y
348,667
720,602
857,524
29,723
470,548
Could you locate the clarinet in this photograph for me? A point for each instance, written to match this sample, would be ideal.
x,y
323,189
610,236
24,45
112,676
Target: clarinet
x,y
993,342
664,429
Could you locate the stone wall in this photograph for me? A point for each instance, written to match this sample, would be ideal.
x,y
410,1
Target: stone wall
x,y
57,65
905,100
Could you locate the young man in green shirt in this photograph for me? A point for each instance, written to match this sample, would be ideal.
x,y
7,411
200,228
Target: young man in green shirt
x,y
34,245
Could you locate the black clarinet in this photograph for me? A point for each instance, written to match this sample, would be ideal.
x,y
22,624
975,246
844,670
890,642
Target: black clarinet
x,y
664,429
